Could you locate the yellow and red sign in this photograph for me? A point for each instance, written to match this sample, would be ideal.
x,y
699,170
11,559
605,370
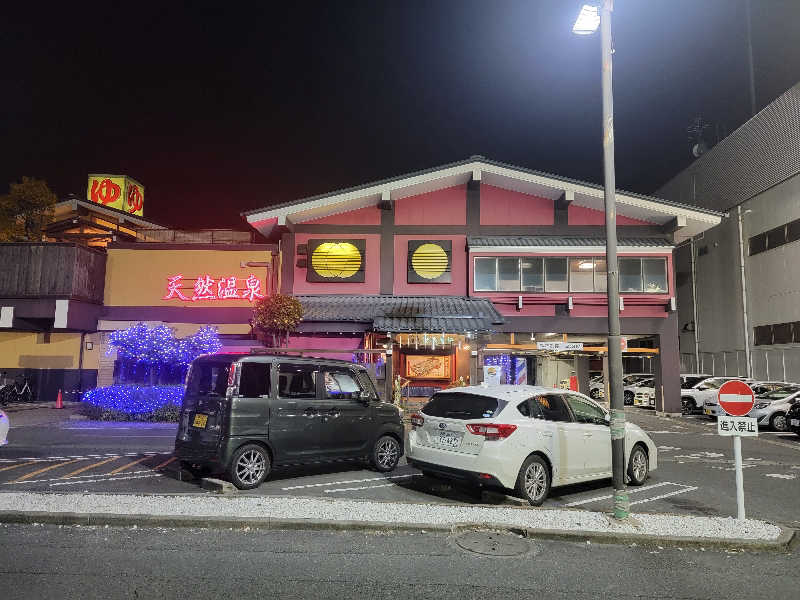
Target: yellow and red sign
x,y
116,191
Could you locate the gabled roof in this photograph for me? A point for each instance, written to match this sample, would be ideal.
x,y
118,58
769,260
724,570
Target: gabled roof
x,y
511,177
451,314
120,215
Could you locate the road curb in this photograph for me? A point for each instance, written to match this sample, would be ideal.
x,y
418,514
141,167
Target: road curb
x,y
781,544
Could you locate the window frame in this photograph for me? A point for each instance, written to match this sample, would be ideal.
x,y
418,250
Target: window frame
x,y
313,368
249,365
535,408
568,258
341,371
569,397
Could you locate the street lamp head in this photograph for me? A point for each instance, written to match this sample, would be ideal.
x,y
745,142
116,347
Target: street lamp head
x,y
588,20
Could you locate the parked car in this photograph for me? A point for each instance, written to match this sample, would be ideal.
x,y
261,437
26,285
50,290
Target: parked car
x,y
4,426
771,407
244,414
645,396
793,418
710,396
523,438
597,388
690,383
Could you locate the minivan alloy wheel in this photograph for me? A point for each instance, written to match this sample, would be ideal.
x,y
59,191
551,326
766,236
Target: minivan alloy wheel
x,y
250,467
385,454
388,453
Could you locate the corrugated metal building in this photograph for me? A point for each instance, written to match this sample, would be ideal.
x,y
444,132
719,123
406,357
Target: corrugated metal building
x,y
738,284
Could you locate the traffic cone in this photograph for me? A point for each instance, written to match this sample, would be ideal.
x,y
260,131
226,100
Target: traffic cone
x,y
59,401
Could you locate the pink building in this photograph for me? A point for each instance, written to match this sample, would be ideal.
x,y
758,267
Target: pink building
x,y
481,264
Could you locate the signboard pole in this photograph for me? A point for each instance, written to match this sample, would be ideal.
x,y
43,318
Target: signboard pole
x,y
737,458
736,398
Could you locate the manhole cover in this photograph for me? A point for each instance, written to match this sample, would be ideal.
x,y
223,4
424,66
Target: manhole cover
x,y
493,543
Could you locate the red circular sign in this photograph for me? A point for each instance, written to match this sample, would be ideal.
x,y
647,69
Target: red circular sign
x,y
736,398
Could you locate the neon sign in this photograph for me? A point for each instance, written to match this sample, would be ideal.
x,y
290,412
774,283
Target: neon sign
x,y
208,288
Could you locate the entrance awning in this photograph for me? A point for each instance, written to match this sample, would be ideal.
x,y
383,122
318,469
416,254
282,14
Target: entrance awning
x,y
401,314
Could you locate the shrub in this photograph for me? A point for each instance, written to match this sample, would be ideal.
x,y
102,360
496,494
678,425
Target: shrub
x,y
133,403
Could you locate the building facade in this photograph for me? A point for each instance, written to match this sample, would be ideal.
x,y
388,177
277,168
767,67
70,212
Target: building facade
x,y
468,272
738,283
478,267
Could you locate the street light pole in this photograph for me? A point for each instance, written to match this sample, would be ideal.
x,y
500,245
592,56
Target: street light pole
x,y
621,501
587,23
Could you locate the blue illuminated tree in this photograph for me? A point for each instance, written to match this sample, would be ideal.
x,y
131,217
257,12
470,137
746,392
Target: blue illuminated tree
x,y
155,354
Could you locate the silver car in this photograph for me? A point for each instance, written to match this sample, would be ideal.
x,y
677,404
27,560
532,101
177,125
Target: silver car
x,y
771,408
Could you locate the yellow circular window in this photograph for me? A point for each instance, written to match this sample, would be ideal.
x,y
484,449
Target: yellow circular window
x,y
429,261
336,260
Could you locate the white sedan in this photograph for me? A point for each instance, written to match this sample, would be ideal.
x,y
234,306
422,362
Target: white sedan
x,y
521,437
3,428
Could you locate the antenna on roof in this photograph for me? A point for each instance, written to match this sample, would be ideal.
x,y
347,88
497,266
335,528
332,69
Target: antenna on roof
x,y
696,136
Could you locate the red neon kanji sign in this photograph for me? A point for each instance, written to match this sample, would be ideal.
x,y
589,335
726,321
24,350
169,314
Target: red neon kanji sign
x,y
207,288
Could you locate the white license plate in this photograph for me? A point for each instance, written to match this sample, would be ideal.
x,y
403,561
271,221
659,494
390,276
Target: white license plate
x,y
794,422
449,439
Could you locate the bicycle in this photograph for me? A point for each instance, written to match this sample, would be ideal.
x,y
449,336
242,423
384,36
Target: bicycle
x,y
13,393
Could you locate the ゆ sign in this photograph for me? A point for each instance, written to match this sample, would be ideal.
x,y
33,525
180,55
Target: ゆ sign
x,y
116,191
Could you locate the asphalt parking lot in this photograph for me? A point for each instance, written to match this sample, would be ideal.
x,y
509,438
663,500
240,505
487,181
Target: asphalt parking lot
x,y
695,474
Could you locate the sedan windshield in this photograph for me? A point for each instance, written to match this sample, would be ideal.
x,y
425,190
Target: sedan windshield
x,y
780,393
689,382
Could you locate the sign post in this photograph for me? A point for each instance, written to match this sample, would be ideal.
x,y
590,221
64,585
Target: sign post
x,y
737,399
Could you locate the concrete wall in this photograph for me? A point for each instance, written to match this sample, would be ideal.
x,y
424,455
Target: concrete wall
x,y
773,290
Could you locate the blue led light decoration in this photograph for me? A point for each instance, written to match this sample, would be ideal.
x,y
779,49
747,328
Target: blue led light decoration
x,y
155,355
135,400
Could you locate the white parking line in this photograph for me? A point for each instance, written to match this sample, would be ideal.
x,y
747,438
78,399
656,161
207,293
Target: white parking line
x,y
330,483
108,479
687,488
352,489
633,491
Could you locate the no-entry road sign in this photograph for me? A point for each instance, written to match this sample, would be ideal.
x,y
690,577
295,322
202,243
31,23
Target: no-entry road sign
x,y
736,398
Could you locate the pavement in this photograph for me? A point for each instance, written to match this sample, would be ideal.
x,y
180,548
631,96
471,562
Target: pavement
x,y
695,475
80,562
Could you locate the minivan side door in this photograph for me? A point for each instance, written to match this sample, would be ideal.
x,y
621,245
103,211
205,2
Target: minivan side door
x,y
347,431
295,426
249,415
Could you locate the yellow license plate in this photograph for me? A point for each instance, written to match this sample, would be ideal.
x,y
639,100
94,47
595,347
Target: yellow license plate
x,y
200,421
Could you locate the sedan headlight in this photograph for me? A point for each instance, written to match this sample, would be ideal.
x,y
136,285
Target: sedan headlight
x,y
762,405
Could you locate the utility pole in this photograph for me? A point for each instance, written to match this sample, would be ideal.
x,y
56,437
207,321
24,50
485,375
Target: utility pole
x,y
750,59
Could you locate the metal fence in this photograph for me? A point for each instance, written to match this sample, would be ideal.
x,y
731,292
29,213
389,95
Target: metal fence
x,y
773,364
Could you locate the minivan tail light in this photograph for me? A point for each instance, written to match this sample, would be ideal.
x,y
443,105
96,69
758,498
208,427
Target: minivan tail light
x,y
492,431
417,420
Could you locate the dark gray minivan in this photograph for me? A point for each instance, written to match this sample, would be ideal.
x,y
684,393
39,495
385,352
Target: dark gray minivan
x,y
244,413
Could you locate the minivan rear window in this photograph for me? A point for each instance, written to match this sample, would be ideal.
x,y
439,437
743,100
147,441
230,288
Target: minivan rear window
x,y
208,379
458,405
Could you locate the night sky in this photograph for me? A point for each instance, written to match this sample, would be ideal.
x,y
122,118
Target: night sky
x,y
222,107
